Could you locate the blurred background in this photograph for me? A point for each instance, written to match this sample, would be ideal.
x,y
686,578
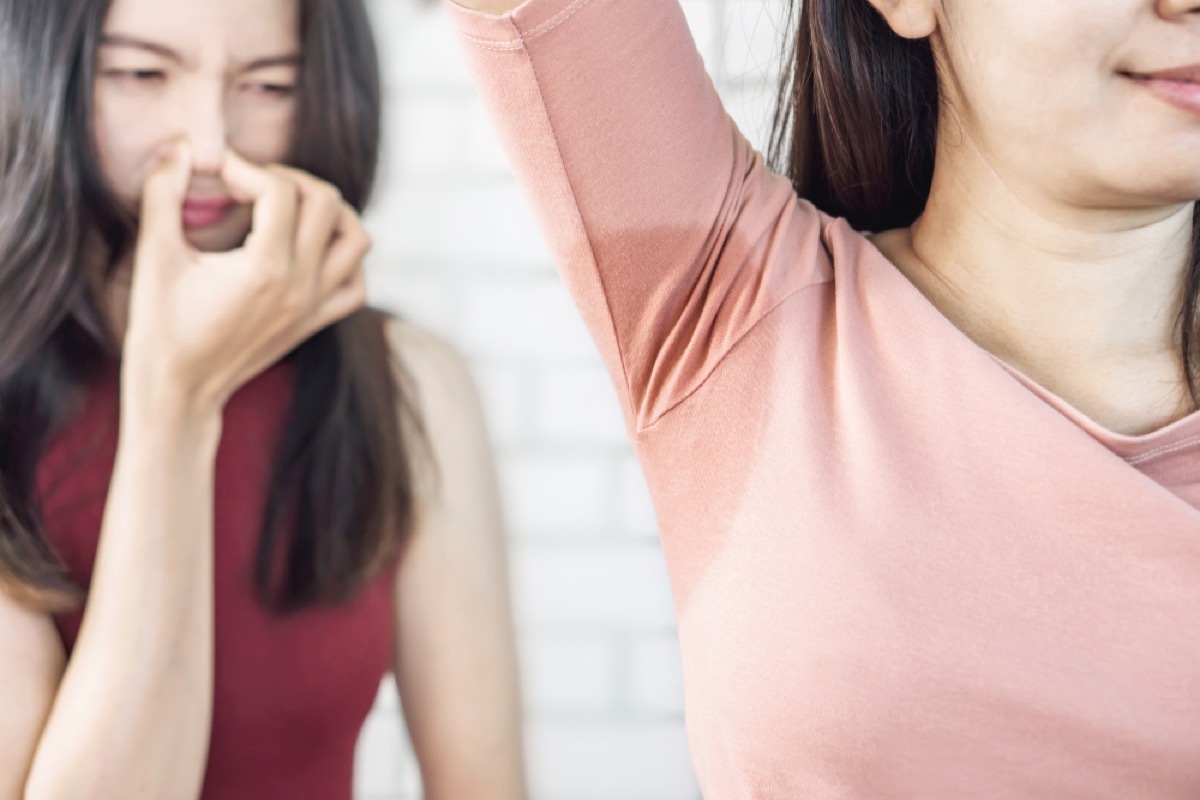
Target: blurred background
x,y
457,250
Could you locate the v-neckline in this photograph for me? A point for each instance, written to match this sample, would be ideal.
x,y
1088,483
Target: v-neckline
x,y
1179,435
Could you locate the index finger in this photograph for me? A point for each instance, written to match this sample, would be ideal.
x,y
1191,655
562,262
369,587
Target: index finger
x,y
274,197
163,196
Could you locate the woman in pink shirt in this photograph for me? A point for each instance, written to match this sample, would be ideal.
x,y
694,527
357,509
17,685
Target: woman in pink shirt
x,y
930,497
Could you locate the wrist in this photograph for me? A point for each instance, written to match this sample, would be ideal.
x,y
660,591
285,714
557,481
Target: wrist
x,y
154,385
155,401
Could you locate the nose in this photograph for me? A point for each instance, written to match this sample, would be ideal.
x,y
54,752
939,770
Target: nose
x,y
1177,9
204,125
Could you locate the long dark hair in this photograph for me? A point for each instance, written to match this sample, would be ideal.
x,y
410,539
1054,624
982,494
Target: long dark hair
x,y
340,500
856,128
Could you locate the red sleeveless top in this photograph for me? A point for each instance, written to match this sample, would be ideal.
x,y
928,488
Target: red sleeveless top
x,y
290,694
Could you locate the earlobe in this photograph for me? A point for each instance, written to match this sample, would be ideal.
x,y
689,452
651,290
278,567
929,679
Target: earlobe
x,y
911,19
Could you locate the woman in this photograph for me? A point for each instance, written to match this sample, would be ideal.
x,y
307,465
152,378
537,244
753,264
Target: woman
x,y
930,498
264,516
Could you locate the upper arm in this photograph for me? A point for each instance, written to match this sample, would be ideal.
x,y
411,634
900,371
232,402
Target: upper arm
x,y
669,230
32,660
455,658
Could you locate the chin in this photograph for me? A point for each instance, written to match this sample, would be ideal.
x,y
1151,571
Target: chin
x,y
215,240
1169,176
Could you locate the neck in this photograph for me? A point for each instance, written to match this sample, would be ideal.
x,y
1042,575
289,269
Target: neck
x,y
1083,300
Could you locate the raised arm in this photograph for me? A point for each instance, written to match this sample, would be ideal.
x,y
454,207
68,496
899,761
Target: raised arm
x,y
669,230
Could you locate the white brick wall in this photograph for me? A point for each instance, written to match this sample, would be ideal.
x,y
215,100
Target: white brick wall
x,y
457,250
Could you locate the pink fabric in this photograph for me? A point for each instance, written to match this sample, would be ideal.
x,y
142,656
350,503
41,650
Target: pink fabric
x,y
901,570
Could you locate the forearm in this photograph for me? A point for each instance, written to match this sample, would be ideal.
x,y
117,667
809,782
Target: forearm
x,y
133,713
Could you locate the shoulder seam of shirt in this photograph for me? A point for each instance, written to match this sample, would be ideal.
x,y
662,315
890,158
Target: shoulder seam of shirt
x,y
523,37
732,347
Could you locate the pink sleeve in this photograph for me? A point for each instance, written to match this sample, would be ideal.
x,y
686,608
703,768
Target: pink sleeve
x,y
670,232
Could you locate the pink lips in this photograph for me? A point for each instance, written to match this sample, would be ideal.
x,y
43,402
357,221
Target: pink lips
x,y
204,212
1178,87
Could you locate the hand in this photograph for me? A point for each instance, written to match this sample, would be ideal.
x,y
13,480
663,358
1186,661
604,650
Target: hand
x,y
202,325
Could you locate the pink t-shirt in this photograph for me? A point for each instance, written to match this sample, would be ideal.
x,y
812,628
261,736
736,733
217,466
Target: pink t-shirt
x,y
901,569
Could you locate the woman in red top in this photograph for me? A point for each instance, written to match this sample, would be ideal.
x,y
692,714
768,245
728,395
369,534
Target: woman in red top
x,y
224,516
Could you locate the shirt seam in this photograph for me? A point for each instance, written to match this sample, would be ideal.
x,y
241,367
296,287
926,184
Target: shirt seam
x,y
524,37
729,351
1164,450
591,250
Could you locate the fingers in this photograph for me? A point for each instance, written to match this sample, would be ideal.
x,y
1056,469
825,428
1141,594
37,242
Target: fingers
x,y
343,301
343,288
321,213
163,195
303,221
346,253
331,239
276,203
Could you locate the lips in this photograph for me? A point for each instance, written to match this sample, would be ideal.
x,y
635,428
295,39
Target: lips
x,y
201,212
1190,74
1178,87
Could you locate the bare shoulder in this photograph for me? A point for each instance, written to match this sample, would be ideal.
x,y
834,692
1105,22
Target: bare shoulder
x,y
444,407
433,369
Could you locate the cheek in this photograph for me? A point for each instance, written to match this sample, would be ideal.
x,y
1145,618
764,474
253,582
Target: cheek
x,y
1036,69
127,146
263,136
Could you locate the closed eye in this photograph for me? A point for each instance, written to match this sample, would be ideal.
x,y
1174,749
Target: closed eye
x,y
273,89
137,75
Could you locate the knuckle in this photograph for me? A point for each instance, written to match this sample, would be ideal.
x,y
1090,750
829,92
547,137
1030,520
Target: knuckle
x,y
270,275
282,186
261,282
359,241
356,295
327,197
362,247
292,304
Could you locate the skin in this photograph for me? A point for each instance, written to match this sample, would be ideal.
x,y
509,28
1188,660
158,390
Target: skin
x,y
1058,228
201,312
1058,236
208,90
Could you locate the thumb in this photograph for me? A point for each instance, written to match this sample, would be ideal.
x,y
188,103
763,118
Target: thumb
x,y
163,196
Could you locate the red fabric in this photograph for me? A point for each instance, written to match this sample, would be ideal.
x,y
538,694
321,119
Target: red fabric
x,y
291,694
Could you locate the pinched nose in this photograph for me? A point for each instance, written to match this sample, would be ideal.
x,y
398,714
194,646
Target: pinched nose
x,y
202,122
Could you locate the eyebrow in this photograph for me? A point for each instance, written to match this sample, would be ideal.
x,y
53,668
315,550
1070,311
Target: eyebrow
x,y
121,40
